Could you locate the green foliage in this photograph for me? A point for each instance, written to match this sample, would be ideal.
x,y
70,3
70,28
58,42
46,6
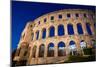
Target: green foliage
x,y
87,51
80,58
89,55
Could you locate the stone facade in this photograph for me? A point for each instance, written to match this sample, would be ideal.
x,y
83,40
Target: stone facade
x,y
29,45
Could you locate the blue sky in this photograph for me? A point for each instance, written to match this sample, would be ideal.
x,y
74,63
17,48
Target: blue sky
x,y
22,12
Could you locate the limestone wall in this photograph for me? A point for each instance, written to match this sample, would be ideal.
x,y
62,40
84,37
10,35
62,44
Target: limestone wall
x,y
44,22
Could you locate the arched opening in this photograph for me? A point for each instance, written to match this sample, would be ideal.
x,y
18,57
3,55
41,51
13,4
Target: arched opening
x,y
83,44
52,31
70,29
61,49
44,33
34,51
72,48
23,54
60,16
37,35
77,15
61,30
28,52
68,15
24,50
79,28
50,52
41,50
52,18
88,29
45,19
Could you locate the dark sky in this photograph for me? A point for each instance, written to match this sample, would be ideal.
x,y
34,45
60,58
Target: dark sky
x,y
22,12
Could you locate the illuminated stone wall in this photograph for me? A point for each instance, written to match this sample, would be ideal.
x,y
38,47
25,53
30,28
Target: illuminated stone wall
x,y
29,45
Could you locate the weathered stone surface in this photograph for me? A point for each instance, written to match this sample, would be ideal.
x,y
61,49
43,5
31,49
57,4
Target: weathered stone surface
x,y
26,39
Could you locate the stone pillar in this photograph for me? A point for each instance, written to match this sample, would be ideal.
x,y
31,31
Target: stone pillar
x,y
40,34
84,28
88,42
56,30
37,54
65,29
75,29
34,38
67,49
22,52
30,56
92,28
56,51
78,46
47,32
45,51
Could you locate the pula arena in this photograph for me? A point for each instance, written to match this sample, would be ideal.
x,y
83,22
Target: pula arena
x,y
54,36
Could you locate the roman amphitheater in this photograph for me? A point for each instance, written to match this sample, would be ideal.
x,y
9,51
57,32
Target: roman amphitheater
x,y
53,37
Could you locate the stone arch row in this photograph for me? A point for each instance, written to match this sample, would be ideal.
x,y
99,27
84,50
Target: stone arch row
x,y
61,49
62,29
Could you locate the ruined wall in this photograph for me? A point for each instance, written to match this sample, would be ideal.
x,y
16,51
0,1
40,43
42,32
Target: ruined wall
x,y
28,38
